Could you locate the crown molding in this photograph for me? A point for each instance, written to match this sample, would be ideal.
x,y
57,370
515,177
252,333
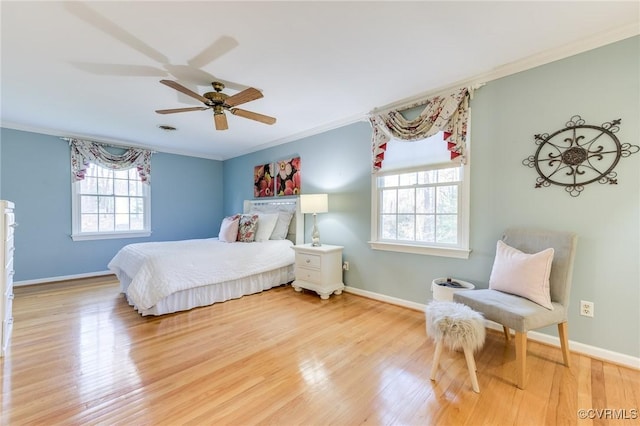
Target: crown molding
x,y
530,62
109,141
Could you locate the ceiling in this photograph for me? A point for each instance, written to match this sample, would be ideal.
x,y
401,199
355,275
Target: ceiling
x,y
92,69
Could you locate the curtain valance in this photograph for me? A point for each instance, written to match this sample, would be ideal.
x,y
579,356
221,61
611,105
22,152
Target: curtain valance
x,y
448,113
84,152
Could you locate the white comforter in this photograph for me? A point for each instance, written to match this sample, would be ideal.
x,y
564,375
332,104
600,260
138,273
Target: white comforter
x,y
159,269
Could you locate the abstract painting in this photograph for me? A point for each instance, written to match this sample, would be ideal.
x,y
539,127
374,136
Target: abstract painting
x,y
263,181
288,177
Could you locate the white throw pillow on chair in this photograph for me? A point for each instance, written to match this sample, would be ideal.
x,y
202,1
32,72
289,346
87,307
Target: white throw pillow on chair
x,y
522,274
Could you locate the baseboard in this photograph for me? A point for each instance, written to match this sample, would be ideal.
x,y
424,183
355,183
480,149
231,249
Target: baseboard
x,y
384,298
581,348
61,278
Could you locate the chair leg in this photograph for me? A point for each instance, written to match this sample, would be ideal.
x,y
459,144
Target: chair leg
x,y
521,357
471,365
436,359
564,342
507,333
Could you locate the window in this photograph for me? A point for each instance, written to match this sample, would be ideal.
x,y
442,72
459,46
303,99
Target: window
x,y
420,201
110,204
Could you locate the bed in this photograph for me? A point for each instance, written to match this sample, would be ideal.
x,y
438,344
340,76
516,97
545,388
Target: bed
x,y
158,278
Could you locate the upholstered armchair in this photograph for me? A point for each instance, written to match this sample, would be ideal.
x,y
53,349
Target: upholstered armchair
x,y
520,313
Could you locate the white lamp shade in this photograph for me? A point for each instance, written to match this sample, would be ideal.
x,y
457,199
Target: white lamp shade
x,y
314,203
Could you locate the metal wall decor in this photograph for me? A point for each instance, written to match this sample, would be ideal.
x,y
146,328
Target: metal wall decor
x,y
578,155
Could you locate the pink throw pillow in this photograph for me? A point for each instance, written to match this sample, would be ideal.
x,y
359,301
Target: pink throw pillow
x,y
229,229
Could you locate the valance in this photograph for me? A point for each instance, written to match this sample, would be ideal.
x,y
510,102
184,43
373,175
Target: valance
x,y
448,113
85,152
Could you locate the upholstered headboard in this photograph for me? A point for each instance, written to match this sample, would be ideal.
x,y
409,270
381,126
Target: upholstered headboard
x,y
292,205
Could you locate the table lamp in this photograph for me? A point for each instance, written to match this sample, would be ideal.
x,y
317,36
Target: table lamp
x,y
314,204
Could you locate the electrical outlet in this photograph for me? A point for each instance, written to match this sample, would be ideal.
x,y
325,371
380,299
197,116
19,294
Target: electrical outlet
x,y
586,309
345,265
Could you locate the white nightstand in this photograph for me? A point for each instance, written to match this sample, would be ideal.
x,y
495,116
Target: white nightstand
x,y
319,269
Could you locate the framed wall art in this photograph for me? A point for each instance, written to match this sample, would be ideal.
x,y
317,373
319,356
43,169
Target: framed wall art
x,y
288,178
263,180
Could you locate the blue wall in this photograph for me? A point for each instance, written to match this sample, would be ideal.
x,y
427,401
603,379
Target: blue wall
x,y
186,195
600,85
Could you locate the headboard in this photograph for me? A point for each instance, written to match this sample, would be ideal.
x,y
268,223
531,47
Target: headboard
x,y
296,227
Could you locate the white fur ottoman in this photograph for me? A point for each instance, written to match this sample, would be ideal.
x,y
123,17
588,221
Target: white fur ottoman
x,y
456,326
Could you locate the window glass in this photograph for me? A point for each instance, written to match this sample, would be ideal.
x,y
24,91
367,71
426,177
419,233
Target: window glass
x,y
421,200
109,204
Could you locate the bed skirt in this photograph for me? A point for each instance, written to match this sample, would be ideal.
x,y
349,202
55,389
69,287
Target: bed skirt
x,y
214,293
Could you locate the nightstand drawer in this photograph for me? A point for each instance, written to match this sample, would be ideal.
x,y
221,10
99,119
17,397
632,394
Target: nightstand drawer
x,y
307,260
310,275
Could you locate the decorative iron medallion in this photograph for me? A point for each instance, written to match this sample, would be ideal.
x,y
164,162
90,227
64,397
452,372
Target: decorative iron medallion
x,y
578,155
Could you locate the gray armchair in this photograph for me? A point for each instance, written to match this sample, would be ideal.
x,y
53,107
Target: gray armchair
x,y
520,314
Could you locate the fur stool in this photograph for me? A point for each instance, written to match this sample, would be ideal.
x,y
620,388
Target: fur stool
x,y
456,326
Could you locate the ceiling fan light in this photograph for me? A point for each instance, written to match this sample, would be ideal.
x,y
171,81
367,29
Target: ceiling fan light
x,y
220,121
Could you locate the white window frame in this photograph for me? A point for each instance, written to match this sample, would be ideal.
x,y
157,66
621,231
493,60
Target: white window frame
x,y
77,235
460,250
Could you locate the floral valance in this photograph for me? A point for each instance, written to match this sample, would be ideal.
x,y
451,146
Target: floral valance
x,y
448,113
85,152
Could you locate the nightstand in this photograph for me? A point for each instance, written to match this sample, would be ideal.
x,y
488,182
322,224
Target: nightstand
x,y
319,269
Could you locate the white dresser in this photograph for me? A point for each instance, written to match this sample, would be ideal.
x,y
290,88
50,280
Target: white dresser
x,y
7,225
319,269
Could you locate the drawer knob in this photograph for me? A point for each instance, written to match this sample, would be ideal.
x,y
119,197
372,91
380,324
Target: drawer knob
x,y
308,261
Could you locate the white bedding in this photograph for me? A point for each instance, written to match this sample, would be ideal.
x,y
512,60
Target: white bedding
x,y
160,269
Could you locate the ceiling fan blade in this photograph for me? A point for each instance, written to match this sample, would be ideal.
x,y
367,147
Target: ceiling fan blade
x,y
220,121
246,95
253,115
180,88
174,110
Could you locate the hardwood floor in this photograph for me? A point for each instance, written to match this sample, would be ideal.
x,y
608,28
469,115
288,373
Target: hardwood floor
x,y
81,355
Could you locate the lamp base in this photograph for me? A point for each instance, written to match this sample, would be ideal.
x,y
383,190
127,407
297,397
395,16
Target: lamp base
x,y
315,234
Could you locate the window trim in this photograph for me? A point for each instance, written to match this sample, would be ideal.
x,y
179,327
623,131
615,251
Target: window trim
x,y
461,251
76,235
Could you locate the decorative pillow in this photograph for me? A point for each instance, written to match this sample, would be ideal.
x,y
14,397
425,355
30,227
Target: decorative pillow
x,y
247,228
266,224
282,226
229,229
522,274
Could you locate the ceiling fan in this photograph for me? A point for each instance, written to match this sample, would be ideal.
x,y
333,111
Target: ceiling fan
x,y
220,102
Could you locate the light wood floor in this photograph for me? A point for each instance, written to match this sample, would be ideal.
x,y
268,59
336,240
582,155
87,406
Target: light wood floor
x,y
81,355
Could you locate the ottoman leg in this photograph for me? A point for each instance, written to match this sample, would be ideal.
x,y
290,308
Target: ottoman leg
x,y
471,365
436,359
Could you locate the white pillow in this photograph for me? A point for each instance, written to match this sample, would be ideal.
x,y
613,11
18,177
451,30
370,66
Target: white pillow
x,y
266,224
229,229
522,274
282,226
